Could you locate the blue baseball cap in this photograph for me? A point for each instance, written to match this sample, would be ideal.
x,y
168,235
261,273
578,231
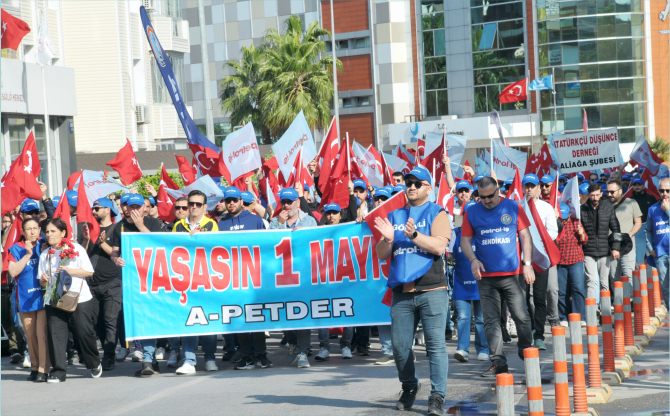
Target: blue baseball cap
x,y
248,197
232,192
55,201
561,187
604,187
124,198
638,180
530,178
547,179
508,183
463,184
382,192
627,176
288,193
152,201
584,188
478,178
579,175
606,174
468,205
565,211
72,198
389,189
360,183
105,202
332,207
421,174
135,199
399,188
29,205
476,189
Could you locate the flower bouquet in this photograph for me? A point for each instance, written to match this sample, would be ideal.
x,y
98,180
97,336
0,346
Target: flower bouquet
x,y
67,252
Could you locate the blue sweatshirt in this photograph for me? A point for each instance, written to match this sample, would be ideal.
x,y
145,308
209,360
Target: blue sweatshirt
x,y
243,222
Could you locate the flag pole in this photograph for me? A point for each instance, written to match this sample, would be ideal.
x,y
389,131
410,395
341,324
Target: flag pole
x,y
348,155
553,92
530,110
336,99
47,125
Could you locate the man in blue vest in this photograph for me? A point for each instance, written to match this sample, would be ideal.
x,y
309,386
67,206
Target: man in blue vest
x,y
495,225
658,235
416,239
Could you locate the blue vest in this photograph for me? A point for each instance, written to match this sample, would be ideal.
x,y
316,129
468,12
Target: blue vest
x,y
465,284
29,292
495,236
409,261
660,238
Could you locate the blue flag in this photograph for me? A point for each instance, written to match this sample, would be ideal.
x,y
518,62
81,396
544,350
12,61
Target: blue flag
x,y
545,83
162,60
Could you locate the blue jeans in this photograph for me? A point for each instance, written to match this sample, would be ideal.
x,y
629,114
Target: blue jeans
x,y
175,344
149,347
385,336
464,312
406,310
571,283
345,340
230,343
189,345
662,267
640,244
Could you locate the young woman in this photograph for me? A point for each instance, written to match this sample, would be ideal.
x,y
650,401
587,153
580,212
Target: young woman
x,y
23,265
69,273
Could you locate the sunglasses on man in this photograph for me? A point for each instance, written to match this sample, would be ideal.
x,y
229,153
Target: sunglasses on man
x,y
493,195
234,200
417,184
546,185
664,191
181,208
33,212
381,198
611,192
192,204
96,209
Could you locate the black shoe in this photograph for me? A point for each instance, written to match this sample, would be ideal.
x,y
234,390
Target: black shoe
x,y
495,370
363,351
16,358
41,377
154,366
97,372
435,404
54,379
237,357
247,363
108,362
146,371
228,356
73,359
449,335
332,336
262,361
32,376
554,323
520,354
407,397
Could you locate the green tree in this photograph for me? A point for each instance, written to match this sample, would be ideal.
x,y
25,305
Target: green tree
x,y
154,180
660,147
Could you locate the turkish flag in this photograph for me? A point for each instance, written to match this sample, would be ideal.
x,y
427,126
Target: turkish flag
x,y
515,191
397,201
165,202
386,169
406,156
421,149
514,92
445,198
326,157
20,182
13,30
85,214
186,171
125,163
63,212
435,159
337,188
268,181
209,161
554,195
540,163
15,232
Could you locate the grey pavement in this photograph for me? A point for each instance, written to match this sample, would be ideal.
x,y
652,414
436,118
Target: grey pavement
x,y
335,387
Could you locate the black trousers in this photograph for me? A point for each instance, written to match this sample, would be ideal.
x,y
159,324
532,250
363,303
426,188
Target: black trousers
x,y
108,297
121,329
536,297
361,337
16,341
255,340
84,318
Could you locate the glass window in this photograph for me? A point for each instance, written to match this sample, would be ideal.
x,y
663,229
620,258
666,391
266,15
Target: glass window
x,y
348,102
590,92
588,27
498,75
428,46
638,109
625,90
510,34
622,25
607,70
570,53
442,103
623,6
546,99
547,120
342,45
431,6
542,32
554,30
362,43
626,115
625,69
553,9
588,52
588,72
493,13
544,55
488,35
608,91
364,100
568,29
627,136
638,89
433,21
637,49
438,38
480,100
555,55
518,105
475,3
624,49
585,7
436,82
636,25
431,103
605,6
571,73
606,26
492,94
568,8
573,118
593,116
497,58
607,50
433,65
17,135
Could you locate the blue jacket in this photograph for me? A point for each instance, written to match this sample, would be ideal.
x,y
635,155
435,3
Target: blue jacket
x,y
243,222
657,230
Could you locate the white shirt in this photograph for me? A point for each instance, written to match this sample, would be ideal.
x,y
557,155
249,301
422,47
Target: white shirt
x,y
548,216
79,262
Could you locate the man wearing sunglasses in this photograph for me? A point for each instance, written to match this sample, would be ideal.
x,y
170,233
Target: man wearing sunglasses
x,y
495,225
546,187
105,284
630,222
398,178
415,238
599,219
657,235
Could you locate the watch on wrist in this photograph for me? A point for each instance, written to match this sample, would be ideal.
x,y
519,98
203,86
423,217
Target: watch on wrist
x,y
527,263
414,234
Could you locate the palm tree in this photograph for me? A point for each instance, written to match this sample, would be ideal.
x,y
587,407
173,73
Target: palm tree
x,y
300,74
660,146
242,92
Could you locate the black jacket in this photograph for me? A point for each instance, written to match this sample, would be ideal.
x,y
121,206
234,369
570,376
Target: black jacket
x,y
597,224
644,200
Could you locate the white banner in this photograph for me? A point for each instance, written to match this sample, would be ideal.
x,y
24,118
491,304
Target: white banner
x,y
205,184
286,149
587,151
240,152
97,186
506,160
369,165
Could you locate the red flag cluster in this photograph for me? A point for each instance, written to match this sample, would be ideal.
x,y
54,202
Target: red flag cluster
x,y
20,181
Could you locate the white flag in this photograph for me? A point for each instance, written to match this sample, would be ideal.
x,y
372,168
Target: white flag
x,y
45,47
570,197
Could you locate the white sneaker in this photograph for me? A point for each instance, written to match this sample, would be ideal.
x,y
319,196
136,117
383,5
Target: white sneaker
x,y
462,356
159,354
564,324
211,366
26,361
483,356
511,328
583,324
186,369
420,339
267,334
302,360
172,359
121,354
137,356
323,355
346,353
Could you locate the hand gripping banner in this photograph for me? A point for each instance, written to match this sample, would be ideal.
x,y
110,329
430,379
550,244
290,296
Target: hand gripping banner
x,y
175,284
